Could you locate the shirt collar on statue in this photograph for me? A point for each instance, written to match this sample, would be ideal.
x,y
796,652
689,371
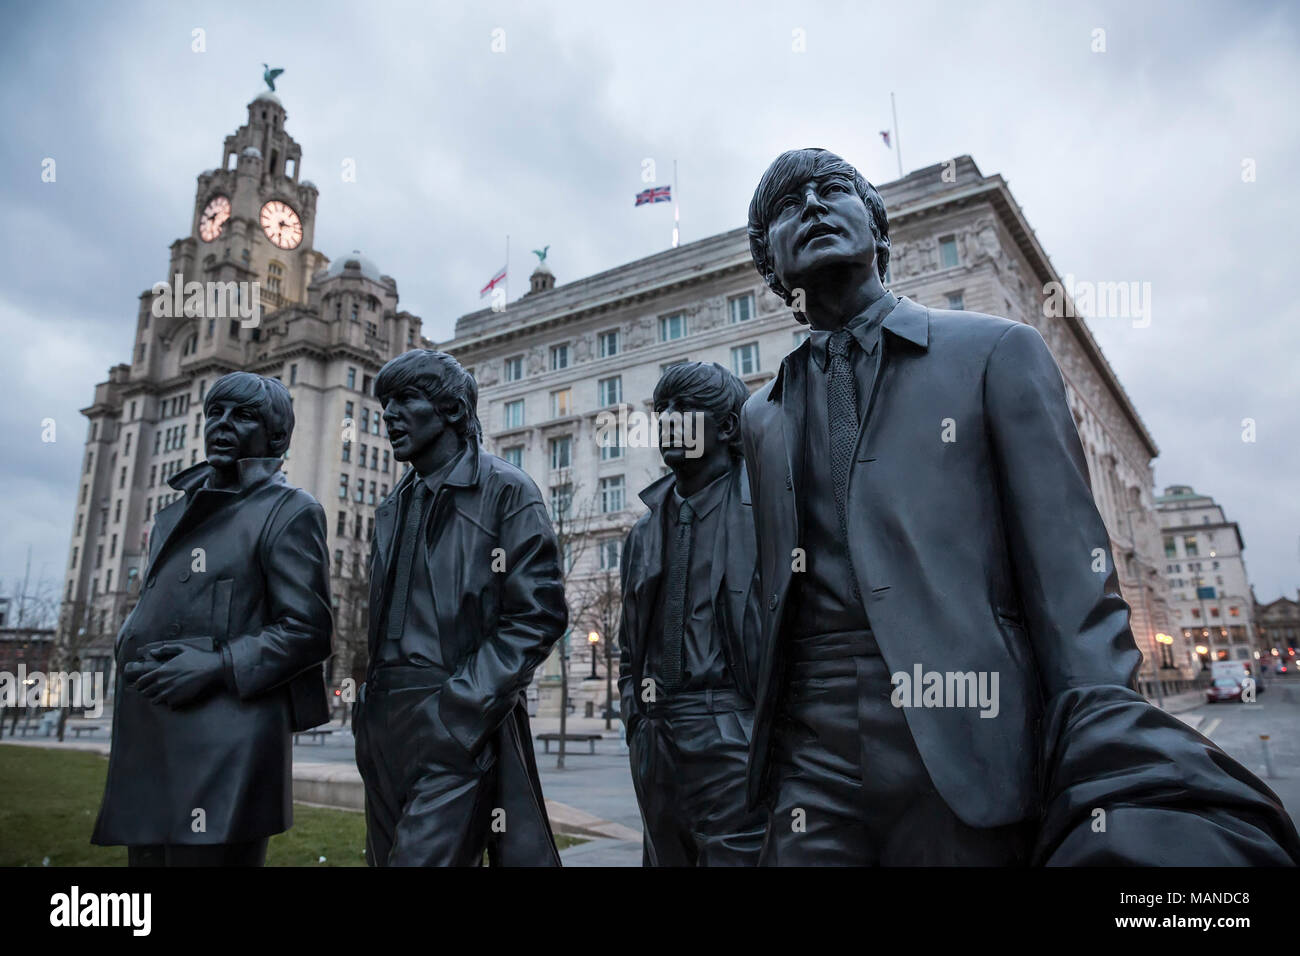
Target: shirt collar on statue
x,y
704,500
461,469
865,328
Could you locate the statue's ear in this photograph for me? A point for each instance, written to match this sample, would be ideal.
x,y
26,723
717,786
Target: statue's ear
x,y
729,427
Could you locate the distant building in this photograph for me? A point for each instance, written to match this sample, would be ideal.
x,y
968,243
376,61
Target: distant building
x,y
29,646
1206,571
553,361
1278,623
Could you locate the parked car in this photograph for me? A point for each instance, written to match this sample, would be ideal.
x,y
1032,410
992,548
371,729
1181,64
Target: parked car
x,y
1223,688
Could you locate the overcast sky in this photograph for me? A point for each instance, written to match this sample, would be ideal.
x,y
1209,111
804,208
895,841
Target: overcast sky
x,y
1127,162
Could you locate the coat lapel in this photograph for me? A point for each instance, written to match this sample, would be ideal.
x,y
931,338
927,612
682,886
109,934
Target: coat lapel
x,y
648,570
910,322
792,397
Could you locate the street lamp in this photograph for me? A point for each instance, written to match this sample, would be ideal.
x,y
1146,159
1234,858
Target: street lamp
x,y
593,638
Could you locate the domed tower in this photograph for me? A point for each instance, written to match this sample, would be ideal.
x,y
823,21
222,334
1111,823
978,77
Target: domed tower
x,y
251,231
542,279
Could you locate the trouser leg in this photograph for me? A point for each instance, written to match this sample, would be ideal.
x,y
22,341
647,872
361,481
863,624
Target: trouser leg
x,y
667,840
815,806
427,812
380,780
246,853
712,754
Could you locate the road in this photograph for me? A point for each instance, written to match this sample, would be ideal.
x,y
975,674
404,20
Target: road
x,y
1236,727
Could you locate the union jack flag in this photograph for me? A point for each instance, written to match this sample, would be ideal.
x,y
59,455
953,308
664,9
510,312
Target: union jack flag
x,y
654,194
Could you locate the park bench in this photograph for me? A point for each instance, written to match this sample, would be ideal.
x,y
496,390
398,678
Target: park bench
x,y
79,729
589,739
319,732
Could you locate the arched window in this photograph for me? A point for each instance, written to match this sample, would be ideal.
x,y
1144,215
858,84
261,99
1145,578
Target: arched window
x,y
191,344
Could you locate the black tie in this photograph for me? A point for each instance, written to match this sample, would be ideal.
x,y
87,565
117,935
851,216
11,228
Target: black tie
x,y
842,404
405,558
677,572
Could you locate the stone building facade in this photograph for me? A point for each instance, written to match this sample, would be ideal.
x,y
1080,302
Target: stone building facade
x,y
1278,624
1206,570
322,329
554,365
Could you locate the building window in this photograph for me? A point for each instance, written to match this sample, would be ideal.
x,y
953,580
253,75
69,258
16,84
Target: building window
x,y
611,552
561,452
372,330
1234,612
611,494
274,273
365,420
609,391
947,252
338,560
372,493
744,358
374,457
384,469
672,326
513,414
293,374
343,486
561,402
561,499
514,454
366,383
354,312
559,357
352,378
342,526
611,443
361,459
514,368
359,497
741,307
956,302
347,451
1189,546
607,344
1171,548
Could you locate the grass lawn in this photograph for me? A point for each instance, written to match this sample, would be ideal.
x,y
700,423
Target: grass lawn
x,y
49,800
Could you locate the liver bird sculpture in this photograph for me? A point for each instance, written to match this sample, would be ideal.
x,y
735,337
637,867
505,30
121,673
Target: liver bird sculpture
x,y
269,75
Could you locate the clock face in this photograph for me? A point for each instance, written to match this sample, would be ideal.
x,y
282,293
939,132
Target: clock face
x,y
214,217
281,224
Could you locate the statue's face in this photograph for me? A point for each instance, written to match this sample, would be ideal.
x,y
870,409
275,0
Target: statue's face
x,y
414,423
687,435
819,223
232,431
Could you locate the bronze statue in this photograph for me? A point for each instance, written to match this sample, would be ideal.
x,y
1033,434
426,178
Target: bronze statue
x,y
689,636
221,658
947,679
466,599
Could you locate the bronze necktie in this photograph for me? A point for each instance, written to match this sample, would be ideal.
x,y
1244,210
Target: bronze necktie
x,y
674,627
842,408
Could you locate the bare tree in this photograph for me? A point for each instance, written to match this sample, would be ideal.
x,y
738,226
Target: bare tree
x,y
571,517
601,597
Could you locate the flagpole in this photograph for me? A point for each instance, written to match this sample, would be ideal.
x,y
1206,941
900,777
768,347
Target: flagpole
x,y
507,268
676,217
898,143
